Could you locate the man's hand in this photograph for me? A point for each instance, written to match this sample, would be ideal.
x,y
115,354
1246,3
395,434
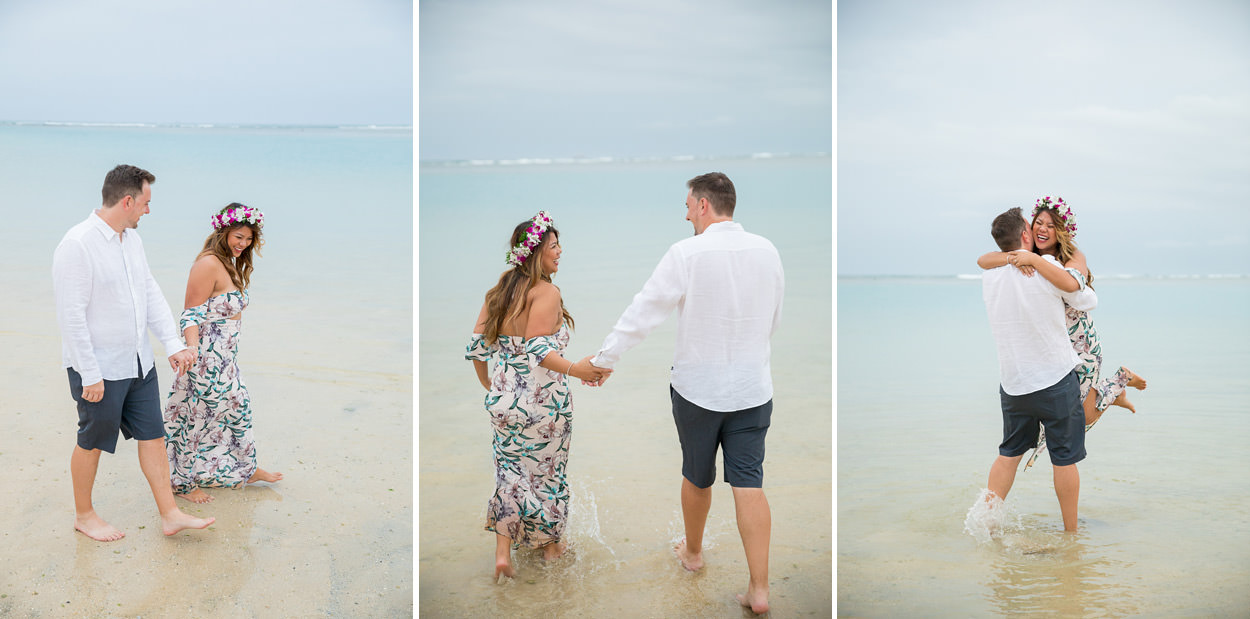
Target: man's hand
x,y
93,393
181,361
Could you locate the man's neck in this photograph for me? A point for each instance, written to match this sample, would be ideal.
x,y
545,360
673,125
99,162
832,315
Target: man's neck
x,y
717,220
113,217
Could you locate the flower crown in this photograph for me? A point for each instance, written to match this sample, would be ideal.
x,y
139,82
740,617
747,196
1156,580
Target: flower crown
x,y
533,235
239,215
1061,209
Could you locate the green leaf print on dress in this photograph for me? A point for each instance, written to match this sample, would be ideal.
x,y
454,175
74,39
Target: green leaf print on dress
x,y
531,413
208,417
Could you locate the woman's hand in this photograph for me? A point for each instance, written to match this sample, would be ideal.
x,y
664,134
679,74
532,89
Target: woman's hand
x,y
1026,261
589,373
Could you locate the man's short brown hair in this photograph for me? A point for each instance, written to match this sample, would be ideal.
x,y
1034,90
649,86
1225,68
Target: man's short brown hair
x,y
718,190
1007,228
124,180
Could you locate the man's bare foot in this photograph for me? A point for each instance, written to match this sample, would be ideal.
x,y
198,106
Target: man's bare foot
x,y
93,526
1123,402
503,565
692,562
178,520
553,551
196,496
756,600
1134,380
263,475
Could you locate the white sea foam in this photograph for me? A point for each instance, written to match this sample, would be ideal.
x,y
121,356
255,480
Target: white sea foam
x,y
990,518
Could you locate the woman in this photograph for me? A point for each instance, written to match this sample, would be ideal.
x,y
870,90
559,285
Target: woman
x,y
522,330
208,417
1054,227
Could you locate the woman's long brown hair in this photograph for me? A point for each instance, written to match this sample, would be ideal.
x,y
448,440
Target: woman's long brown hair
x,y
507,300
218,244
1065,247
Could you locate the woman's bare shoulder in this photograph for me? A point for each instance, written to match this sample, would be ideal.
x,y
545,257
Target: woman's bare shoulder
x,y
543,291
208,262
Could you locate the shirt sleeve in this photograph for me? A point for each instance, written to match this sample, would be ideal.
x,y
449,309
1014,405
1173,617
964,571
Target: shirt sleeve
x,y
650,307
71,283
781,293
1084,299
161,320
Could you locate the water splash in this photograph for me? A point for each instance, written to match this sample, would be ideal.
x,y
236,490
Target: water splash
x,y
584,515
990,518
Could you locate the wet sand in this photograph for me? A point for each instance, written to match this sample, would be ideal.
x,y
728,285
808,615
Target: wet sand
x,y
333,538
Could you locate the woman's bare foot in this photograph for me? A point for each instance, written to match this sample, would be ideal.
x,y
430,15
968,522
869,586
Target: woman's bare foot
x,y
1123,402
754,599
263,475
692,562
503,557
196,496
93,526
553,551
1134,380
177,520
503,565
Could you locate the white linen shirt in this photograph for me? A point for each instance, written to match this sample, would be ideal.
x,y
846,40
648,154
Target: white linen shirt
x,y
1027,318
727,285
106,300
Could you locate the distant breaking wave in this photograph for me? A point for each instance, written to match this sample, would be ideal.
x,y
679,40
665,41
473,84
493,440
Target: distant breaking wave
x,y
142,125
541,161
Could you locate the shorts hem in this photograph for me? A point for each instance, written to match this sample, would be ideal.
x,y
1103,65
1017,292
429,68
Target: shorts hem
x,y
1073,461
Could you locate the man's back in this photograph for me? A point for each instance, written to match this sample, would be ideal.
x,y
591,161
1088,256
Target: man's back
x,y
733,286
1027,317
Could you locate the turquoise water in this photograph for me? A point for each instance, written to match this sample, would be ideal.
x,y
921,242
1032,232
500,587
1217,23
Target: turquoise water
x,y
337,203
616,219
1164,498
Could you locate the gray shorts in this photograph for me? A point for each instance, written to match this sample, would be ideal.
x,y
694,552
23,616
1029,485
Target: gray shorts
x,y
132,405
739,434
1058,408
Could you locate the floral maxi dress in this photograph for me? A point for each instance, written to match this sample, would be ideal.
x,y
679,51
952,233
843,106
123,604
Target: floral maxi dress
x,y
1085,342
208,417
531,413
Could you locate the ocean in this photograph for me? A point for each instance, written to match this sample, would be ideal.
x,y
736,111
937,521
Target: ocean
x,y
1164,504
326,353
616,218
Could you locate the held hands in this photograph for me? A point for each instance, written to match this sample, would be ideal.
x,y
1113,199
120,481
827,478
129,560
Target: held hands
x,y
590,375
181,361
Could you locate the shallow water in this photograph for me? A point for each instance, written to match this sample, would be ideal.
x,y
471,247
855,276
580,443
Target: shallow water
x,y
1164,503
624,463
326,353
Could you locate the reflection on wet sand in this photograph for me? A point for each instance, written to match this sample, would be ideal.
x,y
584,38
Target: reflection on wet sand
x,y
1055,573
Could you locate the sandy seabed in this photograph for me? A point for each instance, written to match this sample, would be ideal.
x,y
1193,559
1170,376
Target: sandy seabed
x,y
333,538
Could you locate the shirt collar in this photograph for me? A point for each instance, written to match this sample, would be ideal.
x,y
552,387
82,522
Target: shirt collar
x,y
104,228
723,226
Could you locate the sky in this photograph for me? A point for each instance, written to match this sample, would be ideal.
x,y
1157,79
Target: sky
x,y
624,78
297,62
1136,113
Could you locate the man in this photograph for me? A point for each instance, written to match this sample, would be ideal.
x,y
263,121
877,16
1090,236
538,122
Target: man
x,y
1036,368
727,286
106,301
